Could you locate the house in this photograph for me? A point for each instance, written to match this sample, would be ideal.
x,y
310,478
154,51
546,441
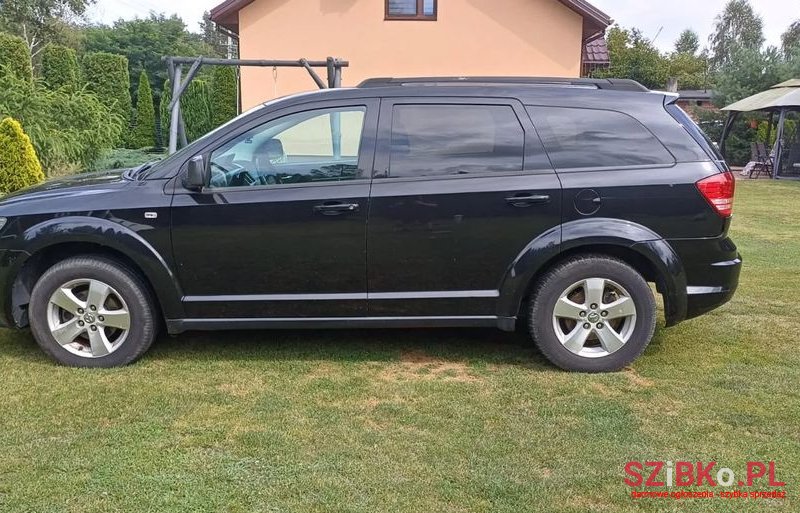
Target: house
x,y
692,100
595,56
408,38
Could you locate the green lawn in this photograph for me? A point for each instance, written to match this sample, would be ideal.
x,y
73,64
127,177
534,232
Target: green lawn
x,y
428,421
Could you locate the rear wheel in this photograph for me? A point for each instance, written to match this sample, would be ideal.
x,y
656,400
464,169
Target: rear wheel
x,y
92,312
592,314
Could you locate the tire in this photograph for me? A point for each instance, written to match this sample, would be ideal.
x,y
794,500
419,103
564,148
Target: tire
x,y
61,306
619,329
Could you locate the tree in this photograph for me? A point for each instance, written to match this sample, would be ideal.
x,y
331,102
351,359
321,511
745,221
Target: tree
x,y
738,26
19,166
633,56
223,95
688,42
107,77
790,40
145,129
68,127
144,42
60,67
196,108
691,71
164,113
221,44
749,72
15,57
39,22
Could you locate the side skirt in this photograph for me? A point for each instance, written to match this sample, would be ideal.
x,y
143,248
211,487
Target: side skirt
x,y
176,326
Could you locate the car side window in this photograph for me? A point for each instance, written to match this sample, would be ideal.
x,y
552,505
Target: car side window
x,y
583,138
441,140
313,146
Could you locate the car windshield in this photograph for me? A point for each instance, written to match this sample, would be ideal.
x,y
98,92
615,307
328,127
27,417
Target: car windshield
x,y
190,149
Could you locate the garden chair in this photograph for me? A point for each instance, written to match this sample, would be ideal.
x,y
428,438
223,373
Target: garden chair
x,y
759,155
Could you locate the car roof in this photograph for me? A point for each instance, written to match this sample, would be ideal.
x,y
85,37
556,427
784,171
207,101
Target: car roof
x,y
569,92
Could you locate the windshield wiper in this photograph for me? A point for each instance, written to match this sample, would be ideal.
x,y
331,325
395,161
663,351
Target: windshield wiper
x,y
131,174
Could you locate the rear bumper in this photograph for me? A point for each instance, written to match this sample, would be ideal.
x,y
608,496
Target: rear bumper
x,y
712,268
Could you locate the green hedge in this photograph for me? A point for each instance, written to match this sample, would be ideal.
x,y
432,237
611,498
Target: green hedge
x,y
144,132
68,127
163,113
107,76
19,166
60,67
196,108
224,104
15,56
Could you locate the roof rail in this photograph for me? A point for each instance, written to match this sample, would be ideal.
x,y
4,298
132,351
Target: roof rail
x,y
610,84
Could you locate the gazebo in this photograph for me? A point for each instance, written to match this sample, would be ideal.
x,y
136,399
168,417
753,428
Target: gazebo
x,y
782,100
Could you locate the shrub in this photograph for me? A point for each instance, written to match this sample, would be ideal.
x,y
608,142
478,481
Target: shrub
x,y
59,67
19,167
145,130
15,56
67,127
223,95
163,112
195,106
107,77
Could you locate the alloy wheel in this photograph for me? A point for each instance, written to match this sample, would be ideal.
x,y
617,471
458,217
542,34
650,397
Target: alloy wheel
x,y
88,318
594,317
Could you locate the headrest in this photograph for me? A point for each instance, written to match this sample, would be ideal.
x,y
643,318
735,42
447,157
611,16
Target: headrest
x,y
272,149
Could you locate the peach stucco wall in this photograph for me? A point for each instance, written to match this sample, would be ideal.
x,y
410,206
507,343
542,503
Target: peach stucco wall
x,y
470,37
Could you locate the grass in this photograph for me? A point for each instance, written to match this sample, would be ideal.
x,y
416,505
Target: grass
x,y
454,420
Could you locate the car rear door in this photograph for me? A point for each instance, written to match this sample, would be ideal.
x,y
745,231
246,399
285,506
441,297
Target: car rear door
x,y
460,187
279,233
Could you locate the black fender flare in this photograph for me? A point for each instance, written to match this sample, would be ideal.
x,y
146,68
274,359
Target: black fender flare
x,y
586,233
114,236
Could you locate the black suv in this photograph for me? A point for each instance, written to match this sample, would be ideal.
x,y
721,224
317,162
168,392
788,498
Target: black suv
x,y
495,202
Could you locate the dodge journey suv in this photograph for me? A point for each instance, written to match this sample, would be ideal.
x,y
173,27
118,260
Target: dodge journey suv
x,y
547,204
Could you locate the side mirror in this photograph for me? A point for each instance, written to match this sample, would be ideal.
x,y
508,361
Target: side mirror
x,y
197,176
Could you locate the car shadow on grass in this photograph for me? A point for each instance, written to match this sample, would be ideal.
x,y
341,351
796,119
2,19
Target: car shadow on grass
x,y
477,346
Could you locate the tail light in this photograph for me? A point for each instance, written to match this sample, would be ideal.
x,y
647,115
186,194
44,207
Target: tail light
x,y
718,191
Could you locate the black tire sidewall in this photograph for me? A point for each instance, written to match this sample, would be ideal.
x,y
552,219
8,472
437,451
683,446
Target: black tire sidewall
x,y
557,281
124,281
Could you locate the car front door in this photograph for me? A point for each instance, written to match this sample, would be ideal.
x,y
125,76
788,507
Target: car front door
x,y
279,231
461,186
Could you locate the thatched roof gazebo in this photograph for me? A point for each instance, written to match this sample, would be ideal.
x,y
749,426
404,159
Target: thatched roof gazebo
x,y
782,100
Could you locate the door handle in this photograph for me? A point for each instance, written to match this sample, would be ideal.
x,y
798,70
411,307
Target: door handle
x,y
526,200
335,208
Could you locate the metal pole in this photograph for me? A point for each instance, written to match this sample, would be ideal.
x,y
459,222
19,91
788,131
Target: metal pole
x,y
301,63
313,74
331,72
175,112
189,76
182,132
769,130
337,74
725,131
779,144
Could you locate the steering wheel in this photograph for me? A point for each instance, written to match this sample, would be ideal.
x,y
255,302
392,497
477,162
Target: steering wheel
x,y
232,176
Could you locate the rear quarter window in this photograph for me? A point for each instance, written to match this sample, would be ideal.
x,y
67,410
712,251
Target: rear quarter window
x,y
591,138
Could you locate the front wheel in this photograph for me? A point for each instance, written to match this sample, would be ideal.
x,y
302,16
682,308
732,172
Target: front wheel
x,y
92,312
592,314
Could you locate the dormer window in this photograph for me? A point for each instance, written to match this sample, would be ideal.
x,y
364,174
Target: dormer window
x,y
411,10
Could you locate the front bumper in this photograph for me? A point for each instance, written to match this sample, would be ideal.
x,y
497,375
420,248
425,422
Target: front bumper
x,y
10,263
